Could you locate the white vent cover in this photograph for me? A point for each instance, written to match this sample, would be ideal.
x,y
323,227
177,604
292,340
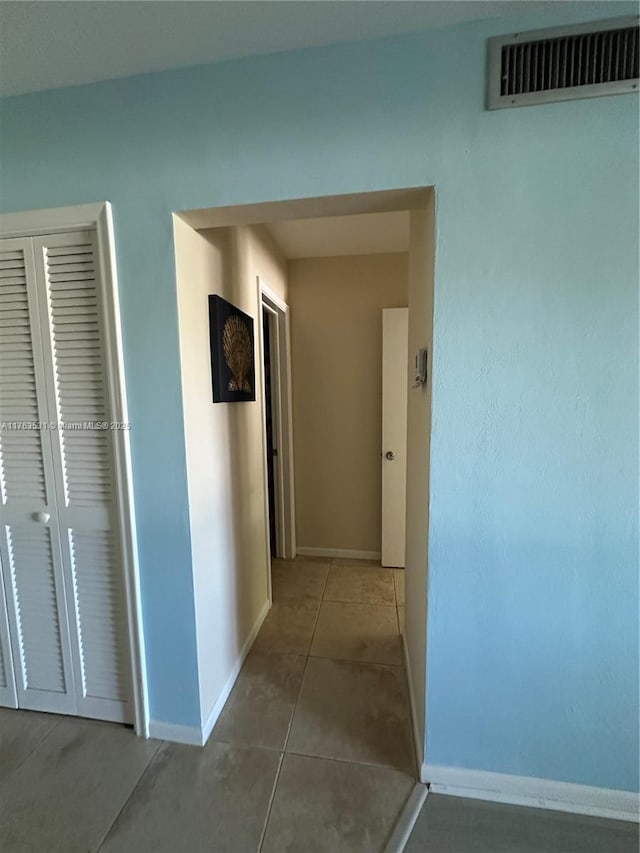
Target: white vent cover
x,y
564,63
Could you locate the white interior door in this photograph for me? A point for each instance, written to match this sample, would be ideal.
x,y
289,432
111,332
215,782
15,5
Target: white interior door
x,y
73,330
29,544
8,693
60,549
395,380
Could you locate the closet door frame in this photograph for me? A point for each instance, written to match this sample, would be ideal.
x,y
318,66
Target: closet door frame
x,y
98,216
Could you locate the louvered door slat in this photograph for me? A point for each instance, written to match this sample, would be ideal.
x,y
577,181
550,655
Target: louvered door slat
x,y
33,607
33,577
8,693
71,281
80,386
11,281
21,455
83,459
100,614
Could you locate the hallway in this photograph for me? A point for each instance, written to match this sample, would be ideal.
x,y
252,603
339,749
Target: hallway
x,y
324,685
312,751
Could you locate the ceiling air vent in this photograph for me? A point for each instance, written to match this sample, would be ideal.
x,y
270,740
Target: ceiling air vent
x,y
564,63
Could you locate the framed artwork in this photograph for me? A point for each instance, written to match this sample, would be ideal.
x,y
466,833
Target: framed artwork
x,y
231,339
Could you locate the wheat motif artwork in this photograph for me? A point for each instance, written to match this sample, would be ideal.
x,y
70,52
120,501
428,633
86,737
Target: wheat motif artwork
x,y
232,352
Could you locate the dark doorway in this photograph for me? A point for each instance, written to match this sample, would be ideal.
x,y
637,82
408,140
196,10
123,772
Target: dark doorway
x,y
268,413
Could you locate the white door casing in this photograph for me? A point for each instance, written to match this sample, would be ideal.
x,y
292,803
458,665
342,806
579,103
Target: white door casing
x,y
395,380
92,530
280,341
277,547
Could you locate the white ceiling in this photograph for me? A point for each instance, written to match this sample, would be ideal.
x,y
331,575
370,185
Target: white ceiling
x,y
360,234
46,45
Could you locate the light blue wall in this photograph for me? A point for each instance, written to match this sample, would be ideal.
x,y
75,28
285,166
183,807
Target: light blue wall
x,y
532,659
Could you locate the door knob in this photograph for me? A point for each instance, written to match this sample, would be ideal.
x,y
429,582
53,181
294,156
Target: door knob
x,y
42,517
390,455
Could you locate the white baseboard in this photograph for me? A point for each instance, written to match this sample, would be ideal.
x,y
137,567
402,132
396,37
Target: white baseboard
x,y
417,739
338,553
529,791
214,713
407,820
196,735
191,735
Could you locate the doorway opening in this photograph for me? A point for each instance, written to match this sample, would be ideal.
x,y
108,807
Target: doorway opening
x,y
295,459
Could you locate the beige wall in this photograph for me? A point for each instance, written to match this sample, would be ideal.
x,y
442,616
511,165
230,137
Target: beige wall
x,y
336,339
224,450
421,253
263,258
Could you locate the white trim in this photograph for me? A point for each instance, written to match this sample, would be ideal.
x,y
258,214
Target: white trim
x,y
32,223
529,791
98,216
285,489
268,545
417,739
214,713
272,317
339,553
122,461
189,735
291,544
407,820
277,303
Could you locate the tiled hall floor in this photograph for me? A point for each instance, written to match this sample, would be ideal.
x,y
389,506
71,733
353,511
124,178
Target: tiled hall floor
x,y
460,825
311,753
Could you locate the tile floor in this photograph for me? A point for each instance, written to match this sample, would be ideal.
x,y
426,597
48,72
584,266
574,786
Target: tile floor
x,y
457,825
312,753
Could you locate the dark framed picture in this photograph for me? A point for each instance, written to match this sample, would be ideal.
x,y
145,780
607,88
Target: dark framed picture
x,y
233,370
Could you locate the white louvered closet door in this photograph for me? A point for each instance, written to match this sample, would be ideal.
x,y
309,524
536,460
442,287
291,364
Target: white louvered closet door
x,y
33,606
8,693
70,303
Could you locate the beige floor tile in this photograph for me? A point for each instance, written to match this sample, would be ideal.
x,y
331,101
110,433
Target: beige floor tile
x,y
360,584
288,628
333,807
342,562
259,710
20,733
353,712
398,582
304,559
192,799
363,632
298,578
66,795
401,619
455,824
